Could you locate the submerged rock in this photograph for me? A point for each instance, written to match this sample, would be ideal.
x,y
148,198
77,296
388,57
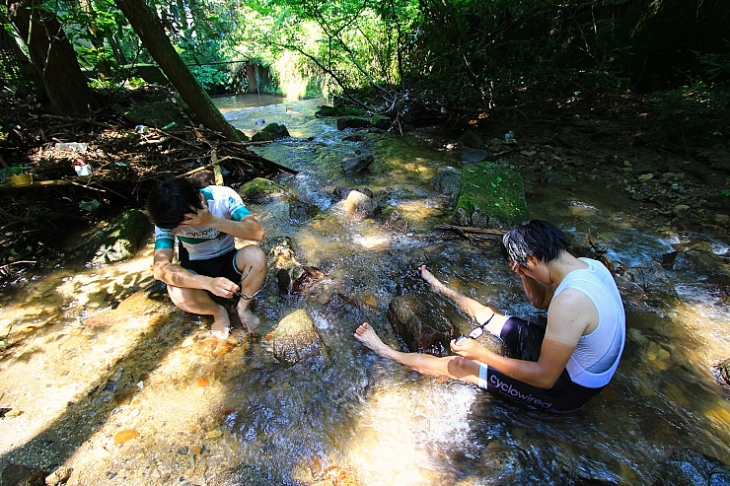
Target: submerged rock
x,y
447,180
691,468
242,475
21,475
357,164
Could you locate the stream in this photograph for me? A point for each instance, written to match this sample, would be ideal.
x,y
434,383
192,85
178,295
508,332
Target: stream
x,y
107,378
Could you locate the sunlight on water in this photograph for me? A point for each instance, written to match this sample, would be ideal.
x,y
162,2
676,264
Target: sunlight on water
x,y
139,393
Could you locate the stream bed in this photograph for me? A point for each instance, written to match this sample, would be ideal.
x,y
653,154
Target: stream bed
x,y
108,379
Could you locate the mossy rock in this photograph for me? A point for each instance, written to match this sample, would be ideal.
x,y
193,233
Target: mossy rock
x,y
326,110
271,132
345,122
120,240
380,121
471,140
259,190
157,115
241,136
490,196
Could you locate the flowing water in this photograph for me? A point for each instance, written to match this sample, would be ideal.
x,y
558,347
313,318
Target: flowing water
x,y
137,393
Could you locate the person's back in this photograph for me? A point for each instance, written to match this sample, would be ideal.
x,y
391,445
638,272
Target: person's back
x,y
597,354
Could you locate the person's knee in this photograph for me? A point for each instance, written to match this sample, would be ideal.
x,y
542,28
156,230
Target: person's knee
x,y
177,296
463,368
252,256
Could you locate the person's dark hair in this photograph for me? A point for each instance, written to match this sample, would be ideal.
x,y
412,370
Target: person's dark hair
x,y
538,238
170,200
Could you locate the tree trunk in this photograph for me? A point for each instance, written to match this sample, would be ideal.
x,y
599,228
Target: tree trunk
x,y
20,74
149,29
53,57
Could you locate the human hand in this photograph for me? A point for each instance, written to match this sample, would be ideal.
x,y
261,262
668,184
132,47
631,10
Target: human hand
x,y
465,347
199,216
517,268
222,287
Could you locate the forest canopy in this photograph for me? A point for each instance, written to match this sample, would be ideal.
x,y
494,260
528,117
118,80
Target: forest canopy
x,y
448,54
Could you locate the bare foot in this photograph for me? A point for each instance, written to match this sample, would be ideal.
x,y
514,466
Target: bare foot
x,y
221,327
428,277
366,335
248,319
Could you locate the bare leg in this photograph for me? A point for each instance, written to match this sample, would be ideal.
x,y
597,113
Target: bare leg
x,y
468,306
197,301
453,367
250,257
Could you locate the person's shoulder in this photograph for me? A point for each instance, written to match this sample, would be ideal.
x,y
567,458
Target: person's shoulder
x,y
570,299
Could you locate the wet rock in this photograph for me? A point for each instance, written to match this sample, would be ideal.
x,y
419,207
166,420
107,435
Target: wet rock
x,y
471,139
21,475
261,190
118,241
446,181
343,192
357,164
691,468
157,115
292,277
271,132
300,211
345,122
295,338
59,476
357,202
472,156
422,329
651,278
490,196
397,222
242,475
723,371
681,210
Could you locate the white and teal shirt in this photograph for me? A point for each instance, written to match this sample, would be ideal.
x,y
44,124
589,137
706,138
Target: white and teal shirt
x,y
202,242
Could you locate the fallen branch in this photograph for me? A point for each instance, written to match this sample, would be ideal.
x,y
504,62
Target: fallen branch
x,y
465,230
77,120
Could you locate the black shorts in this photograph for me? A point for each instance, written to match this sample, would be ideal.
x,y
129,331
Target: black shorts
x,y
523,340
220,266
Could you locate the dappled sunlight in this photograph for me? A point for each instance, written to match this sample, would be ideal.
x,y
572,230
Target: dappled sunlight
x,y
105,375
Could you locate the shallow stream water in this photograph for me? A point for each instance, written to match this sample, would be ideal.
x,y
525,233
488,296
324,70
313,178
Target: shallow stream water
x,y
126,389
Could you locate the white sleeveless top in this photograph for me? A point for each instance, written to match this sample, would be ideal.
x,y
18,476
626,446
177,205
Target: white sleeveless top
x,y
597,354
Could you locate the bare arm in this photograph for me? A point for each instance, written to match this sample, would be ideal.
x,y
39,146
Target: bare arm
x,y
470,307
570,316
176,276
538,294
246,229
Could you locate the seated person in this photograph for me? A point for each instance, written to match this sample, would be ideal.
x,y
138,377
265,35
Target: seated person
x,y
205,221
557,368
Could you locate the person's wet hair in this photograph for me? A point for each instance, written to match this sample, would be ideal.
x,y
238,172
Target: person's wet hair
x,y
171,200
535,237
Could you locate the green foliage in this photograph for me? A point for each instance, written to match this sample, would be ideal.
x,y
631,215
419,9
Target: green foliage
x,y
716,66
